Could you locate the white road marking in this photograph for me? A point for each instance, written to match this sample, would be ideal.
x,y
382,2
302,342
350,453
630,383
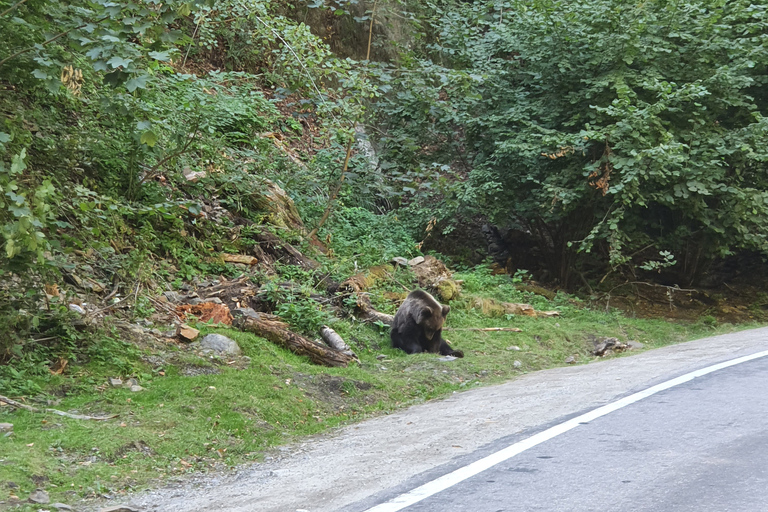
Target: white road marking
x,y
461,474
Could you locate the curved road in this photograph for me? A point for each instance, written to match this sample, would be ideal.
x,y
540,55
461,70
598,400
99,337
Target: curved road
x,y
700,445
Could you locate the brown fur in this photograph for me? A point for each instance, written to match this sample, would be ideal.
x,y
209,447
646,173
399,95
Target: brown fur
x,y
418,324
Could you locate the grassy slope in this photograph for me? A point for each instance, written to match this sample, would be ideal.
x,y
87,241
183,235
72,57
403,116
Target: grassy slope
x,y
181,424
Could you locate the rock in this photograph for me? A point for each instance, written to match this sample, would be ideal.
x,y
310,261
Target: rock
x,y
447,358
415,261
635,345
220,345
245,312
73,279
76,309
131,382
517,364
603,345
570,360
174,297
93,286
6,427
187,333
381,356
61,506
191,175
40,497
399,260
115,383
213,300
513,347
136,388
119,508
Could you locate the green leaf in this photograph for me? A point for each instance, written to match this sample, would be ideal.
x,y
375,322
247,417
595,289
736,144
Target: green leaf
x,y
161,56
17,163
19,211
117,62
137,82
149,138
41,74
4,137
183,10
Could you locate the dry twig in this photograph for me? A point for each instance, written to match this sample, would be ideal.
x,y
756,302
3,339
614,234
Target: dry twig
x,y
29,408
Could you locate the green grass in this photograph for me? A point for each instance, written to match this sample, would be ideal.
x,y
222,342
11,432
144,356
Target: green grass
x,y
182,424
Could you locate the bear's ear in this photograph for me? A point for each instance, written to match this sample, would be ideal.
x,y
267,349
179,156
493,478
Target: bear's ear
x,y
446,310
424,314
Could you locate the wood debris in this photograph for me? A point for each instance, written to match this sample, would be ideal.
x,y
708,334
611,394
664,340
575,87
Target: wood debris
x,y
29,408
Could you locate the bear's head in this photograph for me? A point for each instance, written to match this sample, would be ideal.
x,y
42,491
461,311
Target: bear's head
x,y
432,319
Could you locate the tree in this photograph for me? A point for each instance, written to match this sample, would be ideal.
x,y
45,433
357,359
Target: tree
x,y
602,126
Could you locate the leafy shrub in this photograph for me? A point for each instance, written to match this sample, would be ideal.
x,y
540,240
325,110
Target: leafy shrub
x,y
361,238
596,125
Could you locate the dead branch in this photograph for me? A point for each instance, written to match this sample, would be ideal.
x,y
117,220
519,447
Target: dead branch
x,y
29,408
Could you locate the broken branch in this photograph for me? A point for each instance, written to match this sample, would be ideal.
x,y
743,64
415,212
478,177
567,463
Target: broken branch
x,y
29,408
333,340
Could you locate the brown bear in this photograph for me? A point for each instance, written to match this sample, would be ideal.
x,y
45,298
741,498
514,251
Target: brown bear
x,y
418,326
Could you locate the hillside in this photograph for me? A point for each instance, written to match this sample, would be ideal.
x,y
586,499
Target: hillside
x,y
261,171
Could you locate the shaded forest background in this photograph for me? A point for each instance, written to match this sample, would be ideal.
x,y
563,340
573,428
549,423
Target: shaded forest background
x,y
590,144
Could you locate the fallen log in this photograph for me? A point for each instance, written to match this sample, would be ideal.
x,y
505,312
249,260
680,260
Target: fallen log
x,y
19,405
355,287
491,307
271,328
366,312
333,340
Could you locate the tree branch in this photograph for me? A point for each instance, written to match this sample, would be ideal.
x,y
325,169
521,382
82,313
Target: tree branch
x,y
29,408
12,7
153,170
335,192
21,52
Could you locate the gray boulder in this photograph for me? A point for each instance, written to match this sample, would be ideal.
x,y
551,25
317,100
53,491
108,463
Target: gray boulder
x,y
220,345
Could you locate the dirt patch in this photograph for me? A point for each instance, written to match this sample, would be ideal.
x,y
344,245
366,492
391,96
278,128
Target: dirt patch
x,y
134,446
337,392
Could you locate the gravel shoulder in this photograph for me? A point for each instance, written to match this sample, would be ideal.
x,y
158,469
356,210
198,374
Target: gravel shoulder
x,y
333,471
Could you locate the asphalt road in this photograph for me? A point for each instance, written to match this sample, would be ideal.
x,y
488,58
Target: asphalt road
x,y
647,456
700,446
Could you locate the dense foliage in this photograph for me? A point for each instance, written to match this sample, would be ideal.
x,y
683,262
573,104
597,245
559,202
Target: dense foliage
x,y
614,128
610,135
124,124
